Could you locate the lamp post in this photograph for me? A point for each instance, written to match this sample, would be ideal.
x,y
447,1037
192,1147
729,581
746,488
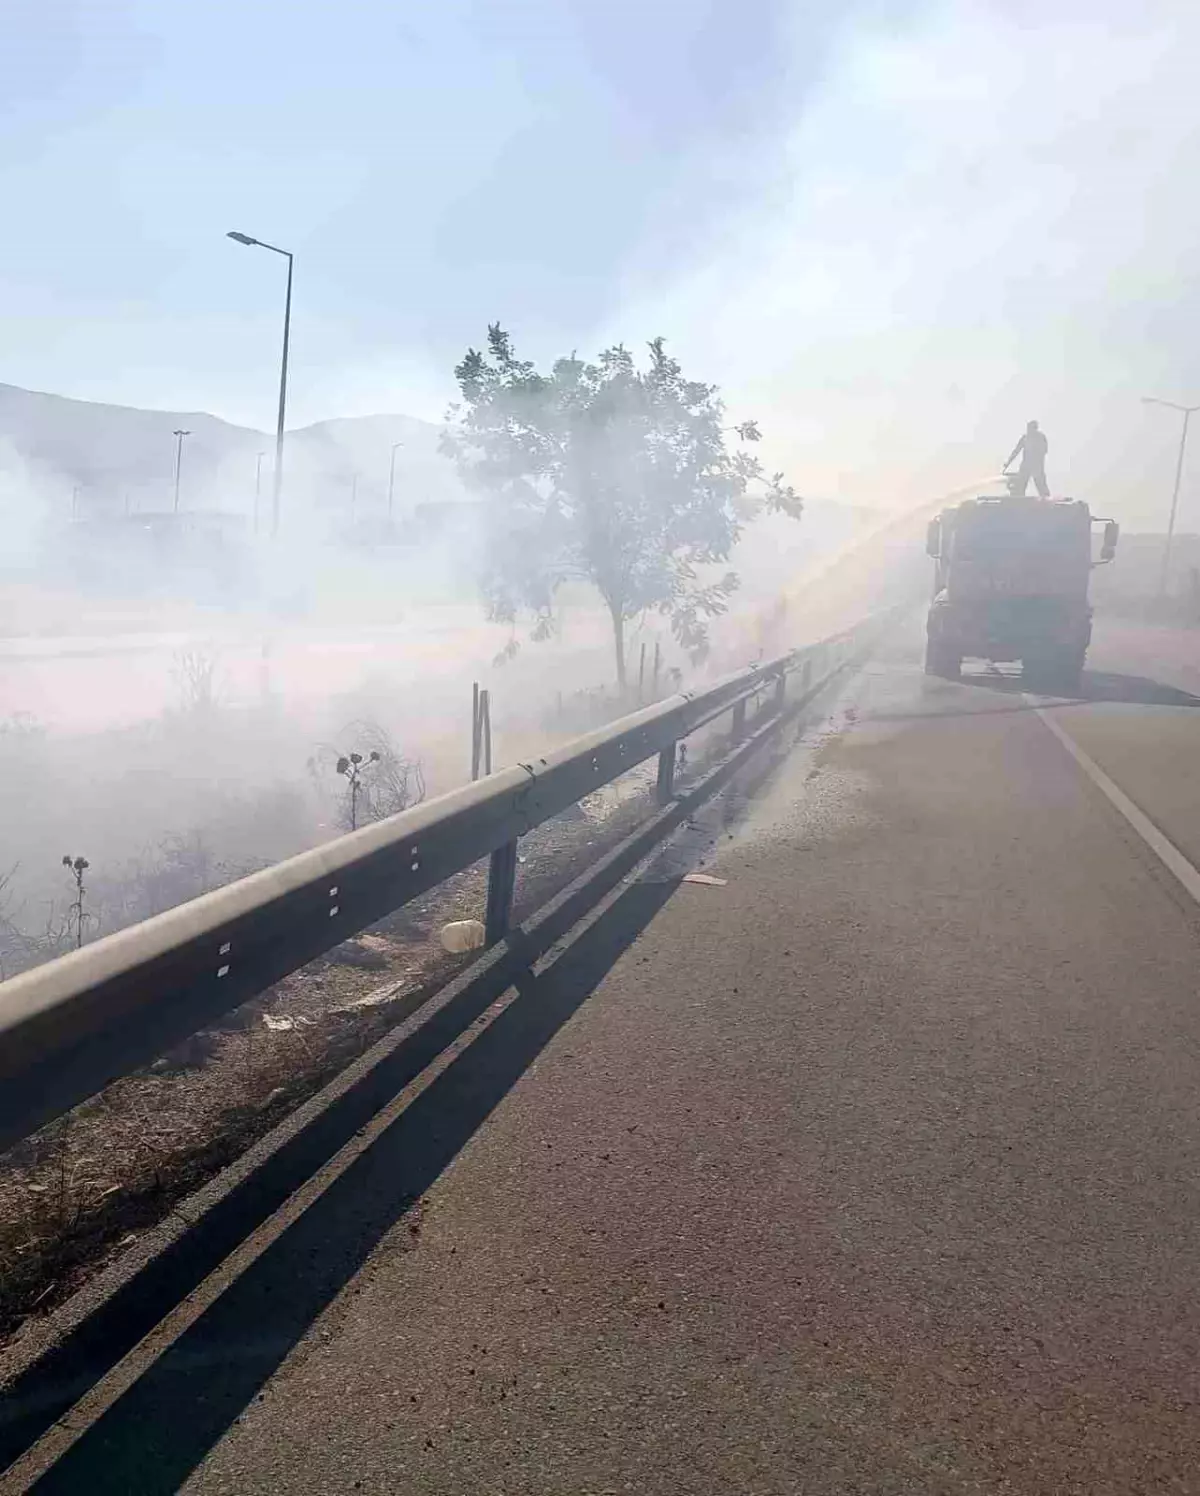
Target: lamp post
x,y
179,436
258,457
392,481
1187,411
283,371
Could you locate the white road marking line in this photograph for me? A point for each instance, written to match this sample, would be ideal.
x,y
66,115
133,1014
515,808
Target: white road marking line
x,y
1166,851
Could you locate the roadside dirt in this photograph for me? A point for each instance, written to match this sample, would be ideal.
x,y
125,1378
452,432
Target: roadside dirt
x,y
84,1189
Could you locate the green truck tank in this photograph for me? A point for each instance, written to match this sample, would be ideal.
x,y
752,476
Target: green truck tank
x,y
1011,583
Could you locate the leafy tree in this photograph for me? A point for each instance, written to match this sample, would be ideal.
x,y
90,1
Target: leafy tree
x,y
609,473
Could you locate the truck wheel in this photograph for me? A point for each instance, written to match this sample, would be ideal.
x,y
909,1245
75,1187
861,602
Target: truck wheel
x,y
942,660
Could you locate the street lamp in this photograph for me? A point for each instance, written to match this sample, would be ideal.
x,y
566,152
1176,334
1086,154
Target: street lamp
x,y
392,481
283,369
1187,411
179,436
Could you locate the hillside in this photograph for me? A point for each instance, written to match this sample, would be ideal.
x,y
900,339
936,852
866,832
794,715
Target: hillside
x,y
119,457
56,577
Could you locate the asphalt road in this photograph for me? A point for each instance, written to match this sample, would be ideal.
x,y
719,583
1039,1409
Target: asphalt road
x,y
876,1169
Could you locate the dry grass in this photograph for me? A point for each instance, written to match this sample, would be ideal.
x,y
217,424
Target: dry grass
x,y
88,1185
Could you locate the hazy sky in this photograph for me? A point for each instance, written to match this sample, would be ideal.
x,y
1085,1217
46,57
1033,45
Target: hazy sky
x,y
893,231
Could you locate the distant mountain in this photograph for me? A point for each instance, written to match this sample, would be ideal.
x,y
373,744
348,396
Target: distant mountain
x,y
118,457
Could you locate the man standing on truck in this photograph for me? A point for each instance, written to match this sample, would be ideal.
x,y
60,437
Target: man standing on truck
x,y
1032,448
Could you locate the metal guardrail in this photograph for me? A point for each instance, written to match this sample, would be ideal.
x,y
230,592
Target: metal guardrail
x,y
73,1026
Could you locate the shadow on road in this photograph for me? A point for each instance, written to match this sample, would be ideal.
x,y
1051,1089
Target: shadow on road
x,y
1096,685
46,1391
162,1427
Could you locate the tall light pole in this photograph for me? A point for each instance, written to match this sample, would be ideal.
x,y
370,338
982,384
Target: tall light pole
x,y
283,370
258,457
1187,411
392,481
179,436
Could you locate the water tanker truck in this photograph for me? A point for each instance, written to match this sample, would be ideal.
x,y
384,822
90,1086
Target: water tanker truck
x,y
1011,583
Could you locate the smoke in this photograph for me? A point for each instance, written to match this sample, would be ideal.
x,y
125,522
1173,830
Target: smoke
x,y
976,219
22,512
979,215
180,697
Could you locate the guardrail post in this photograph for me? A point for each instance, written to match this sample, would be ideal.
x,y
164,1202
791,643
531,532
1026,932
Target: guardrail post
x,y
739,718
502,882
666,774
780,690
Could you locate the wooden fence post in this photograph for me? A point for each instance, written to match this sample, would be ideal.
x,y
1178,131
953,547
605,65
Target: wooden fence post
x,y
485,728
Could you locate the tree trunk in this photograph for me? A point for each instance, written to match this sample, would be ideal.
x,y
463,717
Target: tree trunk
x,y
618,626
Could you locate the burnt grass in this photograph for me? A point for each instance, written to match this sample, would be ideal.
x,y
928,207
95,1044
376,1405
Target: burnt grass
x,y
84,1188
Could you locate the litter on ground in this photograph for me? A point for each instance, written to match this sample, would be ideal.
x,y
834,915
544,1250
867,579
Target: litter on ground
x,y
463,935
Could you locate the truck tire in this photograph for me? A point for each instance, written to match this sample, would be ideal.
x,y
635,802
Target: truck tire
x,y
941,660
